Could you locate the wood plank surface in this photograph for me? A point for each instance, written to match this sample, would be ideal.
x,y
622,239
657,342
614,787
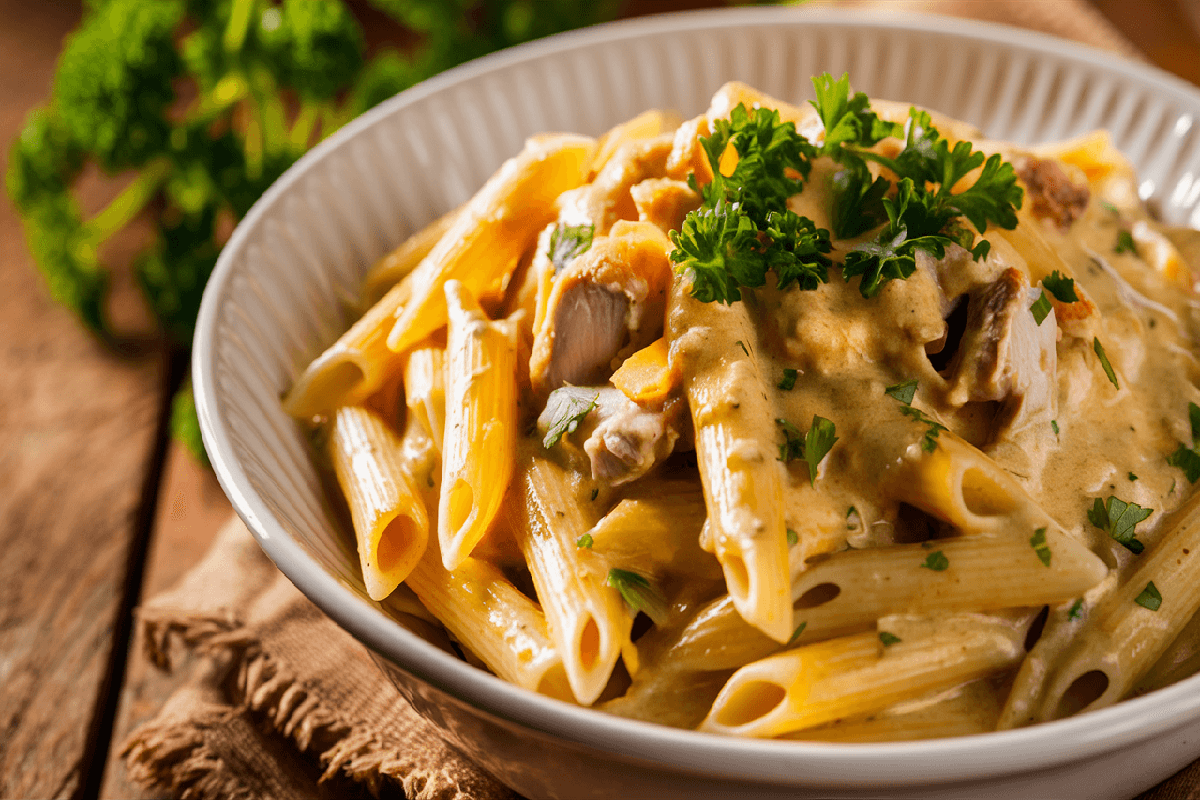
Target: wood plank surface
x,y
191,509
78,427
77,454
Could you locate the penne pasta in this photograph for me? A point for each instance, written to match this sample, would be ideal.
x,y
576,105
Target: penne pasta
x,y
743,482
489,235
390,522
355,367
860,674
587,618
872,433
1131,628
480,434
399,263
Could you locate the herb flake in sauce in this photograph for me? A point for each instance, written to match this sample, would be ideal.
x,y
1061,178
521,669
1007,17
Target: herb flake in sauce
x,y
1038,543
1150,597
1108,370
1118,519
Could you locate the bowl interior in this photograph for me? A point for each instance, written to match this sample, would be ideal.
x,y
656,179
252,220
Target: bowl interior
x,y
280,289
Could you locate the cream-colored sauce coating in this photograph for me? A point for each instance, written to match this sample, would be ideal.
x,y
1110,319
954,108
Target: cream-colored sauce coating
x,y
847,349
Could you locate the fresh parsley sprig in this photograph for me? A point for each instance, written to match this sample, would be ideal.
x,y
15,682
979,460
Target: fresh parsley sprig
x,y
924,211
850,127
744,229
773,160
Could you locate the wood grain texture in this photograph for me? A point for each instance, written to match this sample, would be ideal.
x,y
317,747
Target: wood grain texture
x,y
191,509
77,429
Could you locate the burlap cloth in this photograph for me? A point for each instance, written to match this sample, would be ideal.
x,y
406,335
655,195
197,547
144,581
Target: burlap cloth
x,y
281,703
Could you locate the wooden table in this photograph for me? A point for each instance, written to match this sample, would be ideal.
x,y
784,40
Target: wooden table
x,y
96,508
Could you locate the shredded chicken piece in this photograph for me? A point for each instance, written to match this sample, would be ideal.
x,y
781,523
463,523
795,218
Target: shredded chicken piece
x,y
604,305
623,440
1006,356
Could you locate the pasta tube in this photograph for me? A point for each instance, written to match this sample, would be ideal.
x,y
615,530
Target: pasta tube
x,y
354,367
743,481
481,422
848,591
490,616
1131,627
425,389
397,264
588,619
390,523
861,674
496,226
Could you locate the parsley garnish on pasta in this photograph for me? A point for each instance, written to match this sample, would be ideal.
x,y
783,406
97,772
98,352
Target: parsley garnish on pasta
x,y
1150,597
568,242
936,561
1118,519
904,392
638,594
570,412
1062,288
811,447
744,229
1188,458
1038,543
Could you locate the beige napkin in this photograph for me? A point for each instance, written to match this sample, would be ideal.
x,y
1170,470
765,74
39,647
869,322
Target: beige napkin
x,y
282,703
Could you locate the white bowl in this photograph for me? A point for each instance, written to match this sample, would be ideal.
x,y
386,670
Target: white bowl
x,y
273,303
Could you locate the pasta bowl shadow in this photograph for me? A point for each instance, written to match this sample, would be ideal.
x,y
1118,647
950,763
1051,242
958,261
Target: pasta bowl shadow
x,y
275,301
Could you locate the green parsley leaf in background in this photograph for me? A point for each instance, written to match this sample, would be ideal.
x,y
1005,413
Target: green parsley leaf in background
x,y
198,107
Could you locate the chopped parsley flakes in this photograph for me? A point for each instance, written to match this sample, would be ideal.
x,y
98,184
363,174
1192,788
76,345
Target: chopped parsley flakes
x,y
1061,287
888,639
933,427
1108,370
1038,543
638,594
1076,609
904,392
1125,243
584,542
796,633
570,409
1118,519
936,561
1041,308
1188,458
788,381
812,447
568,242
1150,597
